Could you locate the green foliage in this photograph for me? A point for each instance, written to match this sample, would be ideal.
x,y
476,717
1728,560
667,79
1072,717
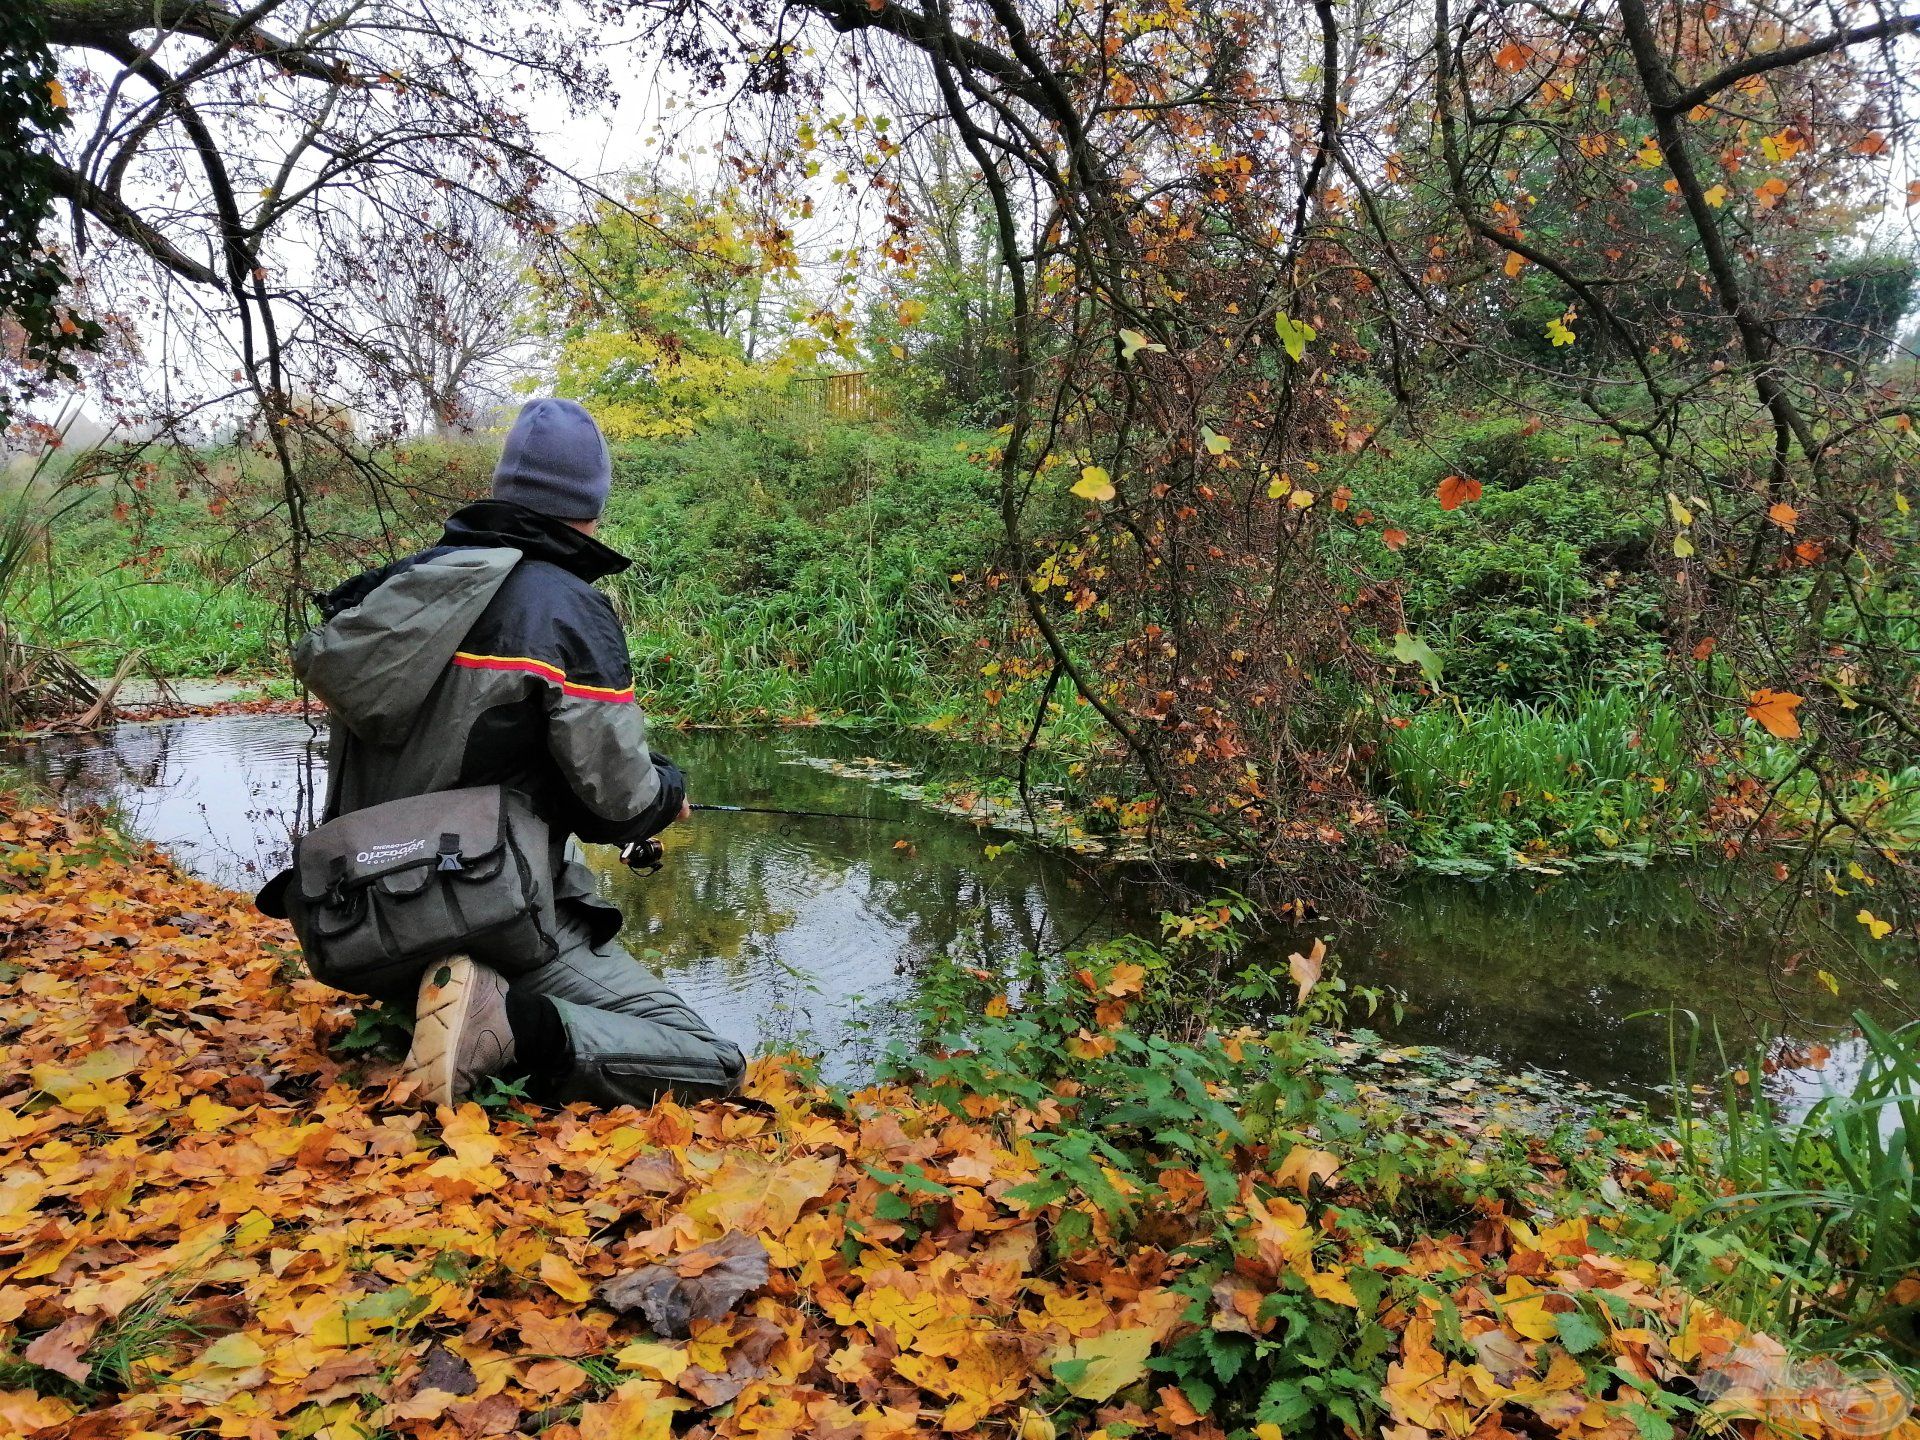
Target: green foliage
x,y
1606,770
32,282
1540,589
1806,1225
669,315
1170,1098
1862,301
383,1028
179,625
1141,1104
795,567
937,338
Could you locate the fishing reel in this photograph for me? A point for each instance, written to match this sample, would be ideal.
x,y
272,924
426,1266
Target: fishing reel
x,y
643,857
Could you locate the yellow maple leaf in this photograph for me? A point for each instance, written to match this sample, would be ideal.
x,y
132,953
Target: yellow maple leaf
x,y
1304,1165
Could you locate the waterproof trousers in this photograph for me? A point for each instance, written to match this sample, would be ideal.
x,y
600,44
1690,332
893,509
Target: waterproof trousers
x,y
632,1038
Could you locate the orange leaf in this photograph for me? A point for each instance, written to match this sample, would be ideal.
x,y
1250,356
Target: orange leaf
x,y
1457,490
1513,56
1303,1166
1773,709
559,1276
1783,515
1393,539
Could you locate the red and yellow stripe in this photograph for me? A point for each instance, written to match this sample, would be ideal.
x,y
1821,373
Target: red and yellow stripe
x,y
527,665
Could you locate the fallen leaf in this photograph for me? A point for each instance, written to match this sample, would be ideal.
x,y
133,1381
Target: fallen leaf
x,y
61,1348
1773,709
1305,1165
671,1301
558,1275
1101,1367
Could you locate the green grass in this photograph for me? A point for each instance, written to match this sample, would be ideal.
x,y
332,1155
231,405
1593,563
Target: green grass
x,y
1610,772
1607,771
181,625
706,657
1806,1226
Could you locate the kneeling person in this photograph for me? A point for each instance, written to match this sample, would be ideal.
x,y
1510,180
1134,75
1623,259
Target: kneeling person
x,y
491,660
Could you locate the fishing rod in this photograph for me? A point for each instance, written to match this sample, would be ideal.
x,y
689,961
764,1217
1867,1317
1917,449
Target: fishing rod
x,y
775,810
647,856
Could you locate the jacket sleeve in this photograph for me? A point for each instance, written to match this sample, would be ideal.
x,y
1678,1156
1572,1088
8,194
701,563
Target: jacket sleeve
x,y
598,737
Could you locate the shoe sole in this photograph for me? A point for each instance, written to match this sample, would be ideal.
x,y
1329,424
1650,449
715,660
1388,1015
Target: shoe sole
x,y
439,1021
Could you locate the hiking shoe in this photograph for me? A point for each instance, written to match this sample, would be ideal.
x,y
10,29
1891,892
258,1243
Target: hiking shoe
x,y
460,1029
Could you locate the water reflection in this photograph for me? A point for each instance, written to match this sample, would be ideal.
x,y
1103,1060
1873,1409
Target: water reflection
x,y
226,796
812,932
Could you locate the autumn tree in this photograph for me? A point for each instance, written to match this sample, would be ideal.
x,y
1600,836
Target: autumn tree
x,y
235,179
435,309
938,321
1216,222
670,306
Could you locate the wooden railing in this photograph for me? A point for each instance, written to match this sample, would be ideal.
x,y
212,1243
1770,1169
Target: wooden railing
x,y
844,396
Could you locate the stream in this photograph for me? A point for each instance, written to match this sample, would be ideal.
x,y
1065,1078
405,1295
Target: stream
x,y
812,933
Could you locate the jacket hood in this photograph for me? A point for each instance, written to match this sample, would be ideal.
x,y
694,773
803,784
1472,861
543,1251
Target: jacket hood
x,y
503,523
389,635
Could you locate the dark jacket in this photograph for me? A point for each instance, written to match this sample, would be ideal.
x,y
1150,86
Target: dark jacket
x,y
490,659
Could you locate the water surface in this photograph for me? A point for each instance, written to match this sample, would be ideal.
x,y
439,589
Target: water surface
x,y
813,933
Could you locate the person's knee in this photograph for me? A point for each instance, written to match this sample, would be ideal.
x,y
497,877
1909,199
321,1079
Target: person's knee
x,y
734,1062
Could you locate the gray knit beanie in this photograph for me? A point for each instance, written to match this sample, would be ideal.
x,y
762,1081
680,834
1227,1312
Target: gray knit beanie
x,y
555,461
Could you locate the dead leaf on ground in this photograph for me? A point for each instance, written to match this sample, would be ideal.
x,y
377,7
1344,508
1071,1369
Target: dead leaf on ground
x,y
61,1349
746,1362
671,1299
